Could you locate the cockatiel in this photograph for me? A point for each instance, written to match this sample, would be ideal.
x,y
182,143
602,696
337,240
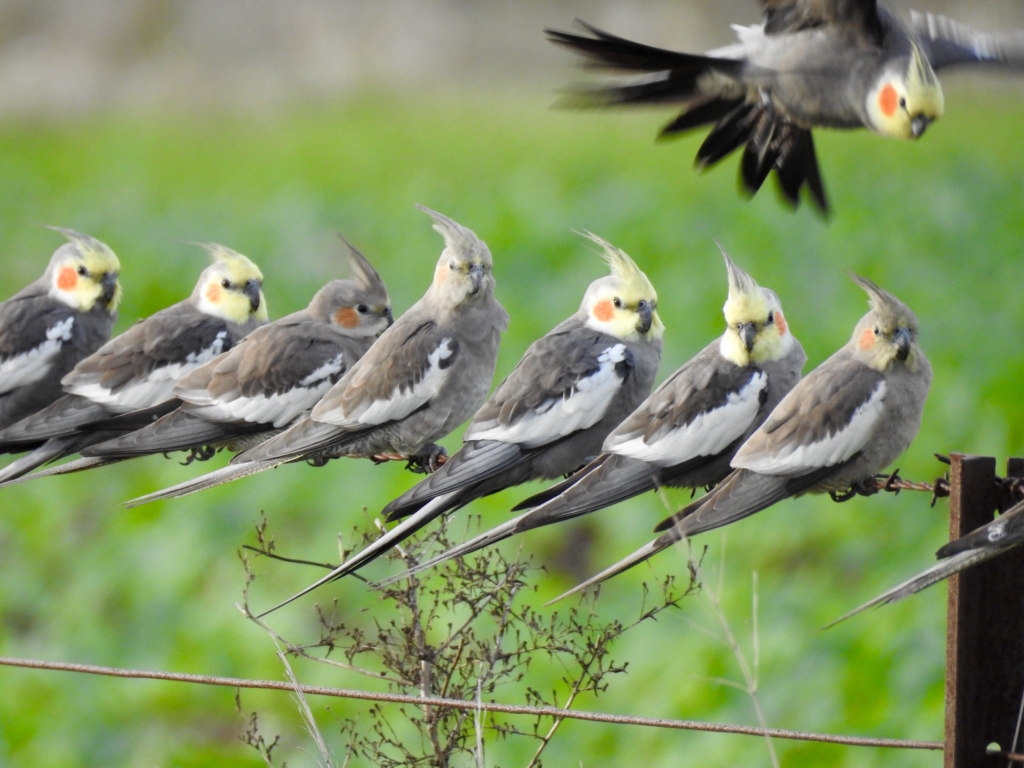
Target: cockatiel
x,y
553,411
811,64
48,326
267,381
842,424
137,370
686,433
984,543
422,378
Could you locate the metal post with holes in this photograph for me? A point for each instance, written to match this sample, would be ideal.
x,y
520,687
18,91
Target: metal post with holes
x,y
985,626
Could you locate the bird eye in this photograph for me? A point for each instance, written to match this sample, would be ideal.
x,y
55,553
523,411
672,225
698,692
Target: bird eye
x,y
83,271
451,264
877,331
617,302
226,283
771,318
362,309
642,304
903,102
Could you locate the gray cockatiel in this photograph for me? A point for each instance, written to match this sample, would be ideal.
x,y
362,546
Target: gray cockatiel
x,y
264,383
847,420
812,63
984,543
422,378
137,371
554,410
50,325
686,433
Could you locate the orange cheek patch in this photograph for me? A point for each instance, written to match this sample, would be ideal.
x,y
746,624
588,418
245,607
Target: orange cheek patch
x,y
346,317
441,274
213,293
888,101
867,339
603,311
780,323
67,279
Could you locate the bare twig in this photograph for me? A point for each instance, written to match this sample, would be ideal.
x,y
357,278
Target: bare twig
x,y
508,709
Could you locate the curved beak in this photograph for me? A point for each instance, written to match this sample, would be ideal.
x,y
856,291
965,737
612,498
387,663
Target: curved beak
x,y
646,318
918,125
901,338
748,334
252,290
389,316
109,284
476,274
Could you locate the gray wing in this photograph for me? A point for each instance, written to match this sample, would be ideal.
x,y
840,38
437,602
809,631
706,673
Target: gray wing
x,y
140,367
948,43
787,16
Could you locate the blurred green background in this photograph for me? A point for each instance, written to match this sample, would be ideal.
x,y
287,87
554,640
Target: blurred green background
x,y
938,222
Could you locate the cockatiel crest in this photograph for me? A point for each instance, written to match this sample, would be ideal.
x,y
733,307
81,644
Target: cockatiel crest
x,y
83,272
464,268
624,304
361,305
231,287
906,98
886,335
756,330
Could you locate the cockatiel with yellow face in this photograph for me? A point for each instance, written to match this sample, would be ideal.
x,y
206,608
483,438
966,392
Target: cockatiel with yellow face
x,y
421,379
842,424
269,380
48,326
138,370
551,414
811,64
686,433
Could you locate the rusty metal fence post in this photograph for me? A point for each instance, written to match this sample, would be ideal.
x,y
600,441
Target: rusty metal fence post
x,y
985,626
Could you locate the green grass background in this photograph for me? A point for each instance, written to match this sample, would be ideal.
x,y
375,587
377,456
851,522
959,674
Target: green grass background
x,y
938,222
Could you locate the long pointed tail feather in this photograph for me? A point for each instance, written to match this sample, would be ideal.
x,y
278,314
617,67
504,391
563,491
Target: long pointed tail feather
x,y
210,480
646,552
70,467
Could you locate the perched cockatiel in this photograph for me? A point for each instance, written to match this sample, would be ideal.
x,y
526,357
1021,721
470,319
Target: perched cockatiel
x,y
984,543
845,422
812,63
48,326
137,370
267,381
421,379
686,433
553,411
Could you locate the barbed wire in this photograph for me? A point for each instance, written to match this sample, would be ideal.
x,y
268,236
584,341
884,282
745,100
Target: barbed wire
x,y
508,709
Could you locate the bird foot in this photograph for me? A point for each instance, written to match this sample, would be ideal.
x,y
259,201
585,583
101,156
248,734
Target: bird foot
x,y
428,460
200,453
381,458
890,483
864,487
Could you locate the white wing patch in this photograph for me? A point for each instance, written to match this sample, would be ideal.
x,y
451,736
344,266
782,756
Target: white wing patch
x,y
279,409
708,434
154,388
834,449
402,401
29,367
580,408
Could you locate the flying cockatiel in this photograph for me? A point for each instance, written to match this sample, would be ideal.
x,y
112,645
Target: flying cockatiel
x,y
48,326
267,381
984,543
137,371
554,410
811,64
842,424
421,379
685,434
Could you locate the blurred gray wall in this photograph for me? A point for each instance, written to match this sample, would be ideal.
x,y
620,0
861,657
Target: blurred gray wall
x,y
65,56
